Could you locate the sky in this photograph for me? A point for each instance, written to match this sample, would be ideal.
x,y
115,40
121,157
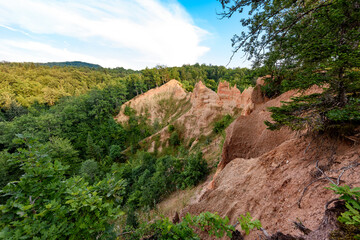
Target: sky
x,y
118,33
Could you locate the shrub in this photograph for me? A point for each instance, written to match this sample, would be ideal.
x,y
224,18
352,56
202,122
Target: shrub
x,y
195,170
44,204
210,223
115,152
89,170
171,128
223,123
351,196
150,180
174,139
247,224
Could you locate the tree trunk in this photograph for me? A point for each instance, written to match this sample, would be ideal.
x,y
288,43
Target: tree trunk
x,y
342,99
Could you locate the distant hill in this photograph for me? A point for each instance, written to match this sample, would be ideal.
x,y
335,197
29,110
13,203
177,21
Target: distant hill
x,y
72,64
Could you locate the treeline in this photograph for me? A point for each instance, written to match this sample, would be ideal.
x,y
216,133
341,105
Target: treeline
x,y
23,84
71,64
189,75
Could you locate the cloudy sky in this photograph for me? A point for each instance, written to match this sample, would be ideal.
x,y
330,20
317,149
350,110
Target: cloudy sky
x,y
117,33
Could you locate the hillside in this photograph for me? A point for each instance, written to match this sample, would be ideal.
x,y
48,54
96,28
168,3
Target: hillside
x,y
271,174
274,175
71,64
191,114
167,150
24,84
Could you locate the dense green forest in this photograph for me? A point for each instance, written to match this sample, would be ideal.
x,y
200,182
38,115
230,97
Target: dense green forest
x,y
24,84
71,64
62,154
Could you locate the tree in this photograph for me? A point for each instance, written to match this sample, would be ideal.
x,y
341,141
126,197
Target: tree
x,y
305,43
45,204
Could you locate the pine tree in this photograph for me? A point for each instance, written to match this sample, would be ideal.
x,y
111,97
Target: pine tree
x,y
305,43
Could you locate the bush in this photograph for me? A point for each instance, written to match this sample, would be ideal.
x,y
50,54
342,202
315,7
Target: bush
x,y
115,152
195,170
223,123
44,204
351,196
89,170
171,128
247,224
150,180
210,223
174,139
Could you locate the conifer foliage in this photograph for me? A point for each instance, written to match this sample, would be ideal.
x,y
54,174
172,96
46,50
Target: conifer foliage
x,y
301,44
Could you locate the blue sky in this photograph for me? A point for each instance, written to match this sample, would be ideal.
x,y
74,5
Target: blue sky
x,y
117,33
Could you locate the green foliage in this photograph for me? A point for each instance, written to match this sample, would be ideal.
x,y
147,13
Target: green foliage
x,y
62,150
211,224
44,204
11,111
150,179
71,64
171,128
223,123
9,171
115,152
301,44
26,83
89,170
194,171
85,121
174,139
165,229
128,111
351,196
131,219
247,224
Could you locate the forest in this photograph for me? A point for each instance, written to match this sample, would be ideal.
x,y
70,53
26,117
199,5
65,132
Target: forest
x,y
60,119
64,171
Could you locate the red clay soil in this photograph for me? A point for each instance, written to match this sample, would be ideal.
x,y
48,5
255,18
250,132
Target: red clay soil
x,y
248,137
265,173
270,186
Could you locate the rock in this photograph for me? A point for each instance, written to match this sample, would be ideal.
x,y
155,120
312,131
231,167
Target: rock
x,y
269,186
204,107
156,102
176,218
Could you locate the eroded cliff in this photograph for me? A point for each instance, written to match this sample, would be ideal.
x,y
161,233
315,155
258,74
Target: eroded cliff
x,y
275,176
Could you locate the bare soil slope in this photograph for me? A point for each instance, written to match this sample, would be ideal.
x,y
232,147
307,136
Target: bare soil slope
x,y
158,104
192,114
270,186
273,175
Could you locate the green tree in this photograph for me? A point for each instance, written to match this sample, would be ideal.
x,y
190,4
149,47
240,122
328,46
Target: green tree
x,y
306,43
44,204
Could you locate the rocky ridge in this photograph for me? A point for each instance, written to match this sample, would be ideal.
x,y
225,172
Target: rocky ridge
x,y
156,102
193,113
273,175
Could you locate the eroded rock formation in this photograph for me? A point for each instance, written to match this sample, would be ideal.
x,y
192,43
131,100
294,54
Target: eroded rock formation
x,y
202,107
156,102
266,173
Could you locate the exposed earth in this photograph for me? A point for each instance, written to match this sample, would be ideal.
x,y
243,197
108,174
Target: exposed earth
x,y
277,176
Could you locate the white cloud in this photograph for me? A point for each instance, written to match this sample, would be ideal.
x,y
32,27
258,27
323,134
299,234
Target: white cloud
x,y
30,51
155,32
